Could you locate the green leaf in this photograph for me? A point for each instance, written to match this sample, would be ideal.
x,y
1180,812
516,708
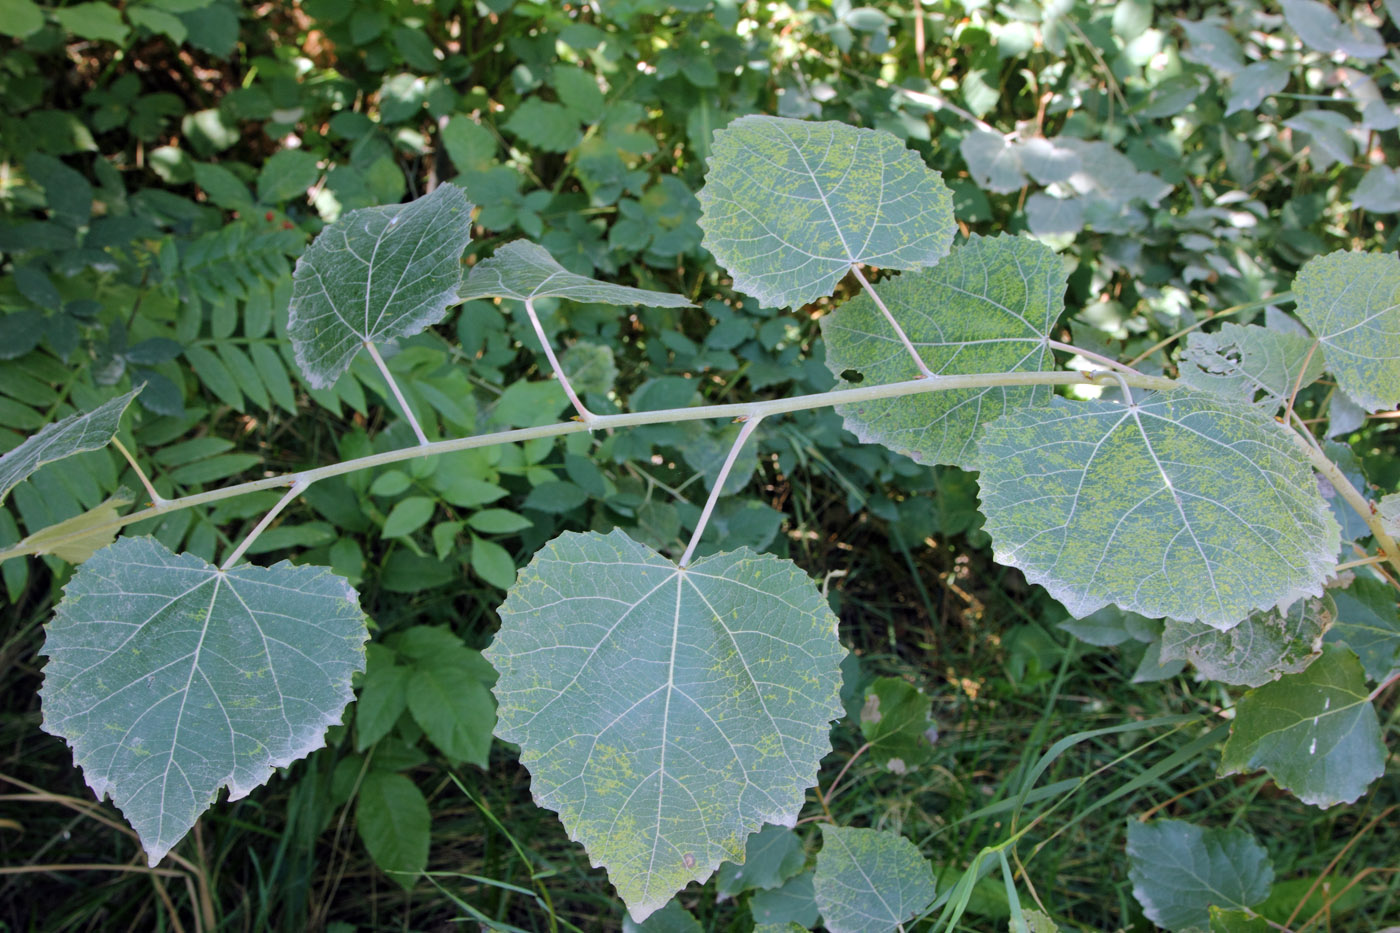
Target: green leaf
x,y
590,367
493,563
1180,504
1237,921
522,270
393,822
1260,649
453,707
673,918
93,21
771,856
896,719
91,430
793,903
665,713
383,697
1317,25
789,207
1251,362
1316,733
408,515
171,678
354,283
59,539
20,18
1351,302
989,307
1368,622
1037,922
869,880
1179,871
498,521
286,176
544,125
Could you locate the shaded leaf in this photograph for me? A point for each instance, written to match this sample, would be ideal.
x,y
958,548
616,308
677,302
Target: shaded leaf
x,y
1179,871
869,880
673,918
897,720
1260,649
453,707
393,822
1351,302
793,903
1251,362
771,856
1368,622
522,270
89,430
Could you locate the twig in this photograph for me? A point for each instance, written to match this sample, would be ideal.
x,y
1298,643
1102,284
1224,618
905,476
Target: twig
x,y
903,337
394,387
583,413
1280,298
744,433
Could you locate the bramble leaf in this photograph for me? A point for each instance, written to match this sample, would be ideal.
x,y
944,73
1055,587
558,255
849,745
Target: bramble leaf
x,y
870,880
987,308
1250,362
1260,649
522,270
665,713
171,678
89,430
1179,871
1351,302
790,206
1316,733
375,274
1180,504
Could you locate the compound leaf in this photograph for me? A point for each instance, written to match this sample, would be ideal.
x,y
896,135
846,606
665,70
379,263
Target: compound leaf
x,y
790,206
1368,621
869,880
1250,362
1316,733
171,678
1181,504
89,430
522,270
375,274
1179,871
665,713
1351,302
987,308
1260,649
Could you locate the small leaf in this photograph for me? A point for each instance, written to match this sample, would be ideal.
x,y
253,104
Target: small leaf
x,y
788,207
771,856
171,678
1351,301
408,515
795,903
897,721
1260,649
383,697
1252,362
1316,733
375,274
987,308
393,822
287,176
91,430
1179,871
665,713
1368,622
522,270
870,881
1249,88
544,125
71,541
1180,504
1379,190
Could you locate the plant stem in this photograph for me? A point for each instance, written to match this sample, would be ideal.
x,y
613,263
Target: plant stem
x,y
394,387
298,487
583,412
1280,298
903,337
605,422
744,433
1091,355
156,498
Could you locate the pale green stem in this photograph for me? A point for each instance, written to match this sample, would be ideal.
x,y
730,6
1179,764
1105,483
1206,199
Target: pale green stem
x,y
583,412
899,331
156,498
715,493
1280,298
298,487
738,410
1091,355
394,387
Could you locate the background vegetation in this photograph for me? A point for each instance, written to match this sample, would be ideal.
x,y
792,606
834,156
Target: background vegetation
x,y
163,163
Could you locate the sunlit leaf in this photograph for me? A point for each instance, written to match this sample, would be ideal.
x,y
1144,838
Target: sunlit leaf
x,y
1351,302
1260,649
870,880
665,713
522,270
790,206
1179,871
171,678
1251,362
89,430
376,274
1181,504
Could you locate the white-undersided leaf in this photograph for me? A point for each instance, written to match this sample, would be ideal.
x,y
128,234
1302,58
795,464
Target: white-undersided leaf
x,y
1179,871
1250,362
1368,622
171,678
89,430
1389,512
1181,505
56,539
870,880
665,713
1351,302
1316,733
1050,216
1260,649
521,269
789,206
992,161
375,274
987,308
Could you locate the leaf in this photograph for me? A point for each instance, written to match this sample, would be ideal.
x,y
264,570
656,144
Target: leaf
x,y
1037,922
1379,190
590,367
1249,87
1368,622
788,207
1180,505
544,125
1250,362
673,918
1351,302
1316,733
1318,26
383,697
897,721
1389,512
393,822
375,274
870,881
20,18
453,706
1260,649
1179,871
90,430
987,308
58,541
171,678
793,903
665,713
771,856
286,176
92,21
522,270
